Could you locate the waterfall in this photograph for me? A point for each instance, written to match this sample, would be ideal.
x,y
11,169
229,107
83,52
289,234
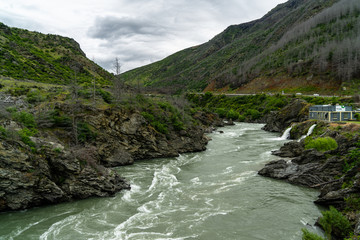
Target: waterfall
x,y
286,134
310,131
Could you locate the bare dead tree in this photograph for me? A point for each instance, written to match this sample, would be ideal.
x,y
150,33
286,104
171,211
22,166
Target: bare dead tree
x,y
117,84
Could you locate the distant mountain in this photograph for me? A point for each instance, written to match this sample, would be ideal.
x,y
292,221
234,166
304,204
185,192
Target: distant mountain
x,y
301,45
45,58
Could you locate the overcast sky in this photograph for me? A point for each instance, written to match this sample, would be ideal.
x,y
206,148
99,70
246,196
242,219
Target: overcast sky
x,y
138,32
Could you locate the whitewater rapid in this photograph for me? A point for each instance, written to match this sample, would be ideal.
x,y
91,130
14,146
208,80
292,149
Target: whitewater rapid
x,y
215,194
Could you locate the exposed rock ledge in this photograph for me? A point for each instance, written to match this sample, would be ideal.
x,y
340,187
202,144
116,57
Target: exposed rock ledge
x,y
55,173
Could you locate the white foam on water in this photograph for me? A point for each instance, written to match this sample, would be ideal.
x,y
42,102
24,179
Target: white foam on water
x,y
228,170
265,156
144,209
19,231
310,131
201,217
56,228
208,201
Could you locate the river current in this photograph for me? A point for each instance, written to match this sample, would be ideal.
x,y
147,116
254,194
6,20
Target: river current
x,y
212,195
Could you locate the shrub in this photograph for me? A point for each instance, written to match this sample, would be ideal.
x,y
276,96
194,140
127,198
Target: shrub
x,y
177,124
57,150
18,91
84,133
221,112
207,96
254,114
11,109
3,132
321,144
106,96
165,106
160,127
35,96
310,236
61,121
148,116
25,135
352,203
352,160
85,93
335,223
232,115
357,116
27,119
241,118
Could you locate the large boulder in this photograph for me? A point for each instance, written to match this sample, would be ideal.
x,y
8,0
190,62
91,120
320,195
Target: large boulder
x,y
32,179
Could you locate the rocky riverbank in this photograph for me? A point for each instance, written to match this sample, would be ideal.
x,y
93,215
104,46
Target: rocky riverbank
x,y
46,167
334,172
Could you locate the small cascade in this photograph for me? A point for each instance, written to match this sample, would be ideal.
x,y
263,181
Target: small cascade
x,y
310,131
286,134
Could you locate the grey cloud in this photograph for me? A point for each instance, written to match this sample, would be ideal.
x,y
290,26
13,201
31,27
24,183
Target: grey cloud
x,y
113,28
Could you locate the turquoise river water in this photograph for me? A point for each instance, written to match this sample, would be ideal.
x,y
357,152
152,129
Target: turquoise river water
x,y
212,195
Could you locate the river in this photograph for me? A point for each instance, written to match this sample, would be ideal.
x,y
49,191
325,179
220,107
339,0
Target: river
x,y
211,195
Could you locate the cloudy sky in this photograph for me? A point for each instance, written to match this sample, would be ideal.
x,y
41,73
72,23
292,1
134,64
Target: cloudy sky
x,y
138,32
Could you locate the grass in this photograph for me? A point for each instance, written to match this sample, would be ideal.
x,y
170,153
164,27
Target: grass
x,y
8,83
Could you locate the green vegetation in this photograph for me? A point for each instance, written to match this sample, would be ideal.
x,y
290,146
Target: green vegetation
x,y
321,144
357,116
310,236
352,203
353,159
3,132
25,118
298,40
162,115
333,223
106,96
25,135
45,58
239,108
85,134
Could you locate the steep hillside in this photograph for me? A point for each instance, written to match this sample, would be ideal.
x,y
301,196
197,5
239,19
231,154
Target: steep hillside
x,y
45,58
301,44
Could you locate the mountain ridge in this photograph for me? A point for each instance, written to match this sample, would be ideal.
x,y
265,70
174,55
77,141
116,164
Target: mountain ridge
x,y
234,57
46,58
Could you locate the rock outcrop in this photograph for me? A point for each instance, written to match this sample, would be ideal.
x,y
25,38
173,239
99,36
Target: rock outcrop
x,y
297,111
123,138
322,170
54,171
51,176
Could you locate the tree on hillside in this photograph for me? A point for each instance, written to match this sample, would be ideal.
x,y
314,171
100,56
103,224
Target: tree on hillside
x,y
117,84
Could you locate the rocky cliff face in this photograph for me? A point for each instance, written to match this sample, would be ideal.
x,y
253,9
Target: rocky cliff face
x,y
278,121
50,176
123,138
55,171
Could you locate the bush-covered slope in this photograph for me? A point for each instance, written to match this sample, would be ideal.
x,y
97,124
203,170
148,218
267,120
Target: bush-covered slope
x,y
45,58
315,41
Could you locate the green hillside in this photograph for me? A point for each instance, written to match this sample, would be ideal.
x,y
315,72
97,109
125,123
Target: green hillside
x,y
45,58
299,45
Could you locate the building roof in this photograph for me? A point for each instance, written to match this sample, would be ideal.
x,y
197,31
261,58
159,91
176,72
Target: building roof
x,y
330,108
